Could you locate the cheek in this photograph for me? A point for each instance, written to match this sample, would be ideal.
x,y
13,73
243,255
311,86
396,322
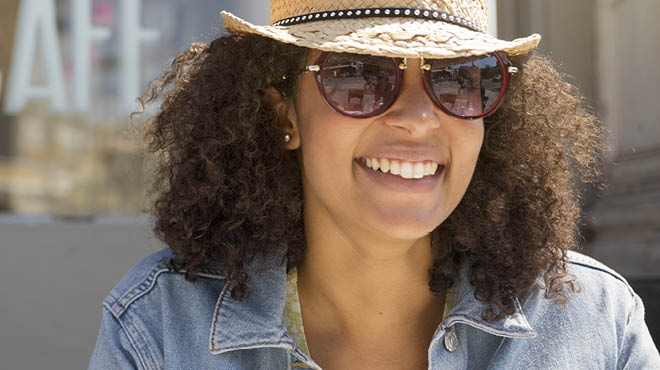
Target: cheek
x,y
327,148
328,142
464,153
328,138
471,143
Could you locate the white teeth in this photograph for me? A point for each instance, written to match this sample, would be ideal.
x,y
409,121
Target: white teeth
x,y
395,167
418,170
428,166
434,168
385,165
407,170
374,164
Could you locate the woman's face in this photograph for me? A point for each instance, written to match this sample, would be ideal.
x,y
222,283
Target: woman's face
x,y
338,184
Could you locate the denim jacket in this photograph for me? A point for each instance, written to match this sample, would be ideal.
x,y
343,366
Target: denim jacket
x,y
155,319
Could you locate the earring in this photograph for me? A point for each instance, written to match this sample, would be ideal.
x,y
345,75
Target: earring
x,y
287,138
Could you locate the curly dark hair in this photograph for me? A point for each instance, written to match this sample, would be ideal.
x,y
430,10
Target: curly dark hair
x,y
228,190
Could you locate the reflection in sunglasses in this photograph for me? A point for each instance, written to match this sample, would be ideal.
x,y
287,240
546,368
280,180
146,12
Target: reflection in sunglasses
x,y
362,85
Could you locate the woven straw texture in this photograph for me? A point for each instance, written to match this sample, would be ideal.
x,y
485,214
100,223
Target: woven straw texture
x,y
473,10
393,37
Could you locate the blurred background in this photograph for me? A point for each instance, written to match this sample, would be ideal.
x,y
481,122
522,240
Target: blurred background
x,y
73,179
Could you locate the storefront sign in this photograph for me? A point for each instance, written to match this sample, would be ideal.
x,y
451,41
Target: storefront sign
x,y
36,30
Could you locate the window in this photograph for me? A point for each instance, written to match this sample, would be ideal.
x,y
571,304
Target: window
x,y
70,73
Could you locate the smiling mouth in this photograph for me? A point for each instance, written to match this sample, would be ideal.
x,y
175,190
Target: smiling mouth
x,y
404,169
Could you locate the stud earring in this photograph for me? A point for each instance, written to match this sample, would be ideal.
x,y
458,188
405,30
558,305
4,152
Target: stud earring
x,y
287,138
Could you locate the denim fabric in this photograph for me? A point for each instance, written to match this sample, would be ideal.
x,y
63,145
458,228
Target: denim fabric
x,y
155,319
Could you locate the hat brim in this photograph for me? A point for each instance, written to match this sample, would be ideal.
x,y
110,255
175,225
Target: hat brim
x,y
393,37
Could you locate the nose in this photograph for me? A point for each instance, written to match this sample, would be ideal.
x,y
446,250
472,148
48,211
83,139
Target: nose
x,y
413,110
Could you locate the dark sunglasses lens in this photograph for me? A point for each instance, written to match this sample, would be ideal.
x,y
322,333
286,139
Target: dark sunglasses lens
x,y
467,87
358,85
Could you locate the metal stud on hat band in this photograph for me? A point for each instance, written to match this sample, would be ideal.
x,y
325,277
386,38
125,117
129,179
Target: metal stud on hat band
x,y
380,12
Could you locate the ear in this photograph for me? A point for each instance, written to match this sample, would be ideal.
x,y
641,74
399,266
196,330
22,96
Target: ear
x,y
287,120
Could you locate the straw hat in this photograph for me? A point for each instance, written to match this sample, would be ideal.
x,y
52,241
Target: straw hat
x,y
395,28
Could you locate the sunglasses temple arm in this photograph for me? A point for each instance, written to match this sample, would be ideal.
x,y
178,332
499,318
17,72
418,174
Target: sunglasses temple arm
x,y
312,68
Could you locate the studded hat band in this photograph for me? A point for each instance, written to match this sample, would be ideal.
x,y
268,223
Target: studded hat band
x,y
380,12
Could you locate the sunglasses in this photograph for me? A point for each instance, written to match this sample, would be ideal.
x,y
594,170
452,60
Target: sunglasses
x,y
362,86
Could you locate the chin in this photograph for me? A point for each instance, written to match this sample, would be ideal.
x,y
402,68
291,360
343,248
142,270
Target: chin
x,y
406,222
407,230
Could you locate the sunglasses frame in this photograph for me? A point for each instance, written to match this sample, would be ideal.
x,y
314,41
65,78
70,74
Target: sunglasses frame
x,y
401,64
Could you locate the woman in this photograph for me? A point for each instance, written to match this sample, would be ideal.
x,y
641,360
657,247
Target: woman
x,y
410,233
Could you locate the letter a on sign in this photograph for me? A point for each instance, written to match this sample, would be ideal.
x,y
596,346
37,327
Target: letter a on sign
x,y
36,22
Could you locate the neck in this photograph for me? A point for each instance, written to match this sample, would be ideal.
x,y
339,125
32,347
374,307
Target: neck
x,y
363,286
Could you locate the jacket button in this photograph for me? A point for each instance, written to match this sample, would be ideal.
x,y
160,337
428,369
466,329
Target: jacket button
x,y
451,341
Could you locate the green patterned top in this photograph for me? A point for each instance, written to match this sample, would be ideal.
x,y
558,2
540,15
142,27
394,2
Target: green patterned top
x,y
293,316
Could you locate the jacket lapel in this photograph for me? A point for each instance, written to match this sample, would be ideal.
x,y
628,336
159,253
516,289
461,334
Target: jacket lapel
x,y
256,321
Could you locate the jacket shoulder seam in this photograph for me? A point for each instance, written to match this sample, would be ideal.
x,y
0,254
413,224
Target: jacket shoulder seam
x,y
117,306
578,259
140,356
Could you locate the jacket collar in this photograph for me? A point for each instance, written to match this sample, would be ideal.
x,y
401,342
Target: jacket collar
x,y
257,321
467,310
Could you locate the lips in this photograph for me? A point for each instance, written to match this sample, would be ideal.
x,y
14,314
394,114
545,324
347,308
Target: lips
x,y
405,169
397,183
